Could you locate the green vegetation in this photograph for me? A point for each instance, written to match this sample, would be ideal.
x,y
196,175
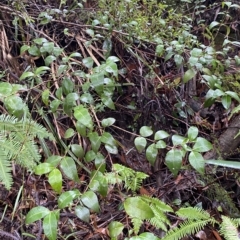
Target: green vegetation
x,y
109,112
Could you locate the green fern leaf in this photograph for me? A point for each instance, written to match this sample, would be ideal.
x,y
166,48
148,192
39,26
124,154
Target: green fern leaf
x,y
229,229
137,223
193,213
186,228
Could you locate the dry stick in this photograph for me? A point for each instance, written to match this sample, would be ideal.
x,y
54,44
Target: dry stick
x,y
3,233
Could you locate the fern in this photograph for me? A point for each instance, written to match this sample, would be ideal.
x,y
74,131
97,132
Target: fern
x,y
137,223
132,179
193,213
228,228
186,228
17,144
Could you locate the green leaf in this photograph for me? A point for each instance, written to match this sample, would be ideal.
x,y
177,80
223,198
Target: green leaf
x,y
224,163
173,160
47,47
95,140
108,122
234,95
14,105
36,214
87,98
67,197
111,149
81,129
50,223
90,200
82,115
107,138
151,153
100,162
178,140
43,168
45,96
49,59
140,143
192,133
213,24
88,62
137,208
54,105
69,103
145,236
77,150
67,86
55,180
111,67
41,70
107,101
90,32
54,160
69,133
82,213
197,161
146,131
202,145
160,135
115,228
160,144
99,183
68,167
226,101
188,75
90,155
5,89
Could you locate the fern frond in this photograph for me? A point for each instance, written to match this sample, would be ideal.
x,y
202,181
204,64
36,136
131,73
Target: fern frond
x,y
159,215
158,203
236,221
5,170
113,178
156,222
137,223
188,227
193,213
228,229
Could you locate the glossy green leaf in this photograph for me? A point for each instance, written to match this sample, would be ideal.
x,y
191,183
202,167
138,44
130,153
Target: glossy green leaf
x,y
68,166
34,51
69,133
90,156
108,122
146,131
54,105
107,101
192,133
151,153
197,161
140,143
99,183
111,67
67,86
24,48
43,168
137,208
49,59
90,32
213,24
173,160
82,115
160,144
160,135
226,101
188,75
36,214
178,140
115,228
234,95
77,150
81,129
67,197
90,200
50,224
95,140
55,180
111,149
107,138
47,47
14,104
54,160
224,163
202,145
5,89
87,98
88,62
82,213
41,70
100,162
45,96
69,103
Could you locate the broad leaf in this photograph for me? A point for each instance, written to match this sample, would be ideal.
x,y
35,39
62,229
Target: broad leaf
x,y
146,131
67,197
68,167
82,213
108,122
55,180
43,168
82,115
137,208
202,145
140,144
192,133
151,153
115,228
188,75
50,224
160,135
77,150
173,160
197,161
95,140
36,214
90,200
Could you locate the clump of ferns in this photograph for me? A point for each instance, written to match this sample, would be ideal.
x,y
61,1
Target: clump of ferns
x,y
18,144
